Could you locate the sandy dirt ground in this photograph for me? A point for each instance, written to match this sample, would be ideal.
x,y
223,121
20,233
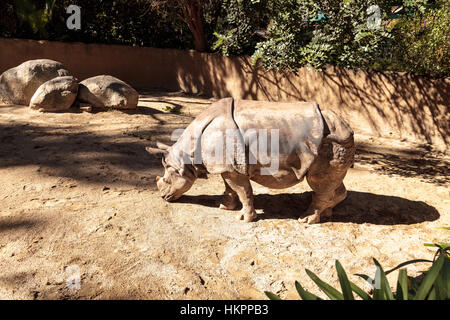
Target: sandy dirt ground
x,y
78,196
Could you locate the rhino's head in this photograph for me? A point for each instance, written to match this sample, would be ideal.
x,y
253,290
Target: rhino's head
x,y
178,178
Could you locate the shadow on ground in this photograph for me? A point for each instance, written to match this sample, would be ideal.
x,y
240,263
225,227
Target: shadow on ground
x,y
80,155
15,224
418,162
359,207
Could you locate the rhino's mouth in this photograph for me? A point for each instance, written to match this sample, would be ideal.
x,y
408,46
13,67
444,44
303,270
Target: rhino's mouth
x,y
169,197
166,194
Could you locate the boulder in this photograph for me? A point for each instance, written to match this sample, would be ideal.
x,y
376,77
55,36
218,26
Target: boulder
x,y
107,92
18,84
55,95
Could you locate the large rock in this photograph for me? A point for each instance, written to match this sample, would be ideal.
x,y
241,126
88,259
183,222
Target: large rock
x,y
55,95
107,92
18,84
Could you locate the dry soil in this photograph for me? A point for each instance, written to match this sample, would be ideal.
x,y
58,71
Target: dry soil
x,y
78,194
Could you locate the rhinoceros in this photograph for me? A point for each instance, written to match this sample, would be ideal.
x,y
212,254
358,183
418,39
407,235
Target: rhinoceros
x,y
231,138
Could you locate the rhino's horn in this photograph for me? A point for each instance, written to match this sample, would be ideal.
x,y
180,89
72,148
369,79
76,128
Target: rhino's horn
x,y
156,151
162,146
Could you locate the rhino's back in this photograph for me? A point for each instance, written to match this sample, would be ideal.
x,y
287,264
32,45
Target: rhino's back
x,y
294,129
299,124
251,106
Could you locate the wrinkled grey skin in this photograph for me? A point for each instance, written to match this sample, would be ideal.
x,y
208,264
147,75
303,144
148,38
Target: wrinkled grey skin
x,y
315,144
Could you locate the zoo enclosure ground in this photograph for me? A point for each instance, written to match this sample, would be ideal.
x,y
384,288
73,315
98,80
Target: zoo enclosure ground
x,y
79,189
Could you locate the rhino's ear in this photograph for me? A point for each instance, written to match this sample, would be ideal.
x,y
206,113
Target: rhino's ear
x,y
157,152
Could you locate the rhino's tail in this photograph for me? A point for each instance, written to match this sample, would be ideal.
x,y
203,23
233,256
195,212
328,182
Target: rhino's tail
x,y
339,133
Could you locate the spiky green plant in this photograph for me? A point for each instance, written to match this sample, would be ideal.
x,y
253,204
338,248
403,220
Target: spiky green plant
x,y
434,286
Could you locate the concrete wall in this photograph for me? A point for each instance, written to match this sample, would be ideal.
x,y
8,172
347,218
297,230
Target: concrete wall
x,y
386,104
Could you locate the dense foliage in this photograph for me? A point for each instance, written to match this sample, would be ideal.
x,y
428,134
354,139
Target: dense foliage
x,y
408,35
237,30
342,37
347,33
128,22
422,42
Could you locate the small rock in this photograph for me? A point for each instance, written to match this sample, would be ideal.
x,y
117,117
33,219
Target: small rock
x,y
106,91
55,95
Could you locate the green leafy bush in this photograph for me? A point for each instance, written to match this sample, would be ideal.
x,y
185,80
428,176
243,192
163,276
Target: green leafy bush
x,y
236,31
299,33
298,38
422,42
434,286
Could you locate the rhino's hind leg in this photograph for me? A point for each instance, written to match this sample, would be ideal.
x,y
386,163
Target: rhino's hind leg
x,y
240,184
325,178
323,202
230,199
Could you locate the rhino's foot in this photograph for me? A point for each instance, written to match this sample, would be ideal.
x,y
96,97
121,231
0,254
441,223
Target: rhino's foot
x,y
247,216
314,216
312,219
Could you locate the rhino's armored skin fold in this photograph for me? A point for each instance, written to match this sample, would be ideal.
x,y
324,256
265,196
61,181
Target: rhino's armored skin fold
x,y
300,139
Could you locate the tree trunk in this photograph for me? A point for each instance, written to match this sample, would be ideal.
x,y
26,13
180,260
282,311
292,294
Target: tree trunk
x,y
200,39
192,12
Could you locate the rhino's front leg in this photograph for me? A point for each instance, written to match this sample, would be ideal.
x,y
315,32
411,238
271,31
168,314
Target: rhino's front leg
x,y
230,200
241,185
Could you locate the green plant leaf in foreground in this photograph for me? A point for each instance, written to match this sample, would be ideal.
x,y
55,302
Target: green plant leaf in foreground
x,y
360,292
406,263
385,287
442,283
305,295
331,292
402,285
441,245
434,286
429,279
272,296
345,283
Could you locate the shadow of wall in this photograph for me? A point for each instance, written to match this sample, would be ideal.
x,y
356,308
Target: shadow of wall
x,y
386,104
